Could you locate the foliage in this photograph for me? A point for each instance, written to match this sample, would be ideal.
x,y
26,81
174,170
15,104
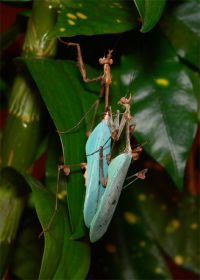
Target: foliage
x,y
155,58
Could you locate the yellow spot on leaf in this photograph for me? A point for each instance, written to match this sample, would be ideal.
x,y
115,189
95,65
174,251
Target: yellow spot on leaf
x,y
111,248
118,5
178,260
61,195
118,20
71,22
175,223
71,16
81,15
130,218
162,82
142,197
158,270
62,29
173,226
142,243
10,158
194,226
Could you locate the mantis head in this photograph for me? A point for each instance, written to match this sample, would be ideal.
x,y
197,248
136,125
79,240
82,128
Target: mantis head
x,y
108,59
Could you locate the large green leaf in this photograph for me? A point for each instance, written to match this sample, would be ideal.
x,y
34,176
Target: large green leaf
x,y
150,12
181,26
172,217
164,103
94,17
63,258
67,100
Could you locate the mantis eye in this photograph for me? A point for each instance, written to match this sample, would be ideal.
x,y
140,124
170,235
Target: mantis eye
x,y
102,60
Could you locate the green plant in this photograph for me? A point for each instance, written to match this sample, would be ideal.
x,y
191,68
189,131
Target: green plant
x,y
156,218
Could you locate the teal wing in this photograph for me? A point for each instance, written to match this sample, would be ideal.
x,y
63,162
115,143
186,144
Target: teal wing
x,y
117,172
100,137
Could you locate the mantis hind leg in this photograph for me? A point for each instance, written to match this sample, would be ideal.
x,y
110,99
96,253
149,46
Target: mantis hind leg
x,y
46,229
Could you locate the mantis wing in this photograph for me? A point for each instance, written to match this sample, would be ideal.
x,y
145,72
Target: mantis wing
x,y
117,172
100,137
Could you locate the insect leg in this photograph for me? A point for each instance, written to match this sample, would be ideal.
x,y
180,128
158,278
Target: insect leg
x,y
139,175
81,65
95,106
60,167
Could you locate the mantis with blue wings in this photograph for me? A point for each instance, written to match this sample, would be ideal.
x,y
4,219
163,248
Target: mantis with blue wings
x,y
104,182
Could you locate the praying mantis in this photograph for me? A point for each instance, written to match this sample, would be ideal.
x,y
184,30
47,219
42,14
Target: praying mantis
x,y
104,181
101,201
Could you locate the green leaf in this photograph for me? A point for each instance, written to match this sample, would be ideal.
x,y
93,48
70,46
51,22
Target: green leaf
x,y
67,100
150,12
28,249
63,258
92,18
172,218
181,26
164,107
